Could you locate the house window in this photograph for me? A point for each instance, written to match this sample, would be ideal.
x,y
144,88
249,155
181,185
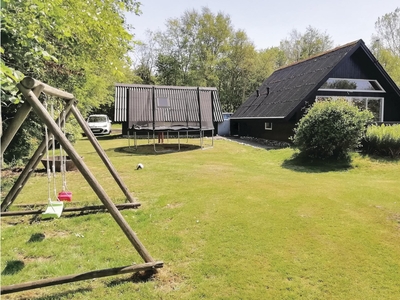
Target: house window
x,y
353,85
375,105
163,102
268,126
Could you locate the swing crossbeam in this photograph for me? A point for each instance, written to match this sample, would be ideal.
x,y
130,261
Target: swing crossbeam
x,y
88,208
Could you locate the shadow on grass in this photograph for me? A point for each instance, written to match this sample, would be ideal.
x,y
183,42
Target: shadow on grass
x,y
13,267
298,163
160,148
142,276
105,137
65,295
109,137
36,237
380,159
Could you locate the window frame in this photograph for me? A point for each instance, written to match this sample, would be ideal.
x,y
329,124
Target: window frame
x,y
168,104
350,100
355,90
268,127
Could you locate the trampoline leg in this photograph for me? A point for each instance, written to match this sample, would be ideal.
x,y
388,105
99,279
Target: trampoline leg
x,y
135,141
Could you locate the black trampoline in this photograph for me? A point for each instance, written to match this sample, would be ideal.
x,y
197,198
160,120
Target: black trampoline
x,y
160,113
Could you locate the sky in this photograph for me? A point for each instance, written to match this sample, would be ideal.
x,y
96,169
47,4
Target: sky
x,y
266,23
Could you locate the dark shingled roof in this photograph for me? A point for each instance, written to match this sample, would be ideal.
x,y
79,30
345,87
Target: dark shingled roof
x,y
282,92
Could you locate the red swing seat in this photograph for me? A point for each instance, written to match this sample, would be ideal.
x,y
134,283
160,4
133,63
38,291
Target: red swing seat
x,y
65,196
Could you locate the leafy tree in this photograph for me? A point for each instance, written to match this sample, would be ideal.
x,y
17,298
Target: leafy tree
x,y
386,43
300,46
234,71
201,48
388,31
78,46
169,70
145,56
331,129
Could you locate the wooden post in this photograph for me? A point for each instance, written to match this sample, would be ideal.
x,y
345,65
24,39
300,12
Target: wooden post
x,y
53,127
93,140
78,277
16,123
31,165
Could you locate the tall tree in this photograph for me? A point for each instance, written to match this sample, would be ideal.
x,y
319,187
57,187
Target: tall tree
x,y
386,43
388,31
201,48
234,71
78,46
145,56
300,46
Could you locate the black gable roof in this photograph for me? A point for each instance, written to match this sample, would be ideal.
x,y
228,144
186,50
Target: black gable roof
x,y
286,89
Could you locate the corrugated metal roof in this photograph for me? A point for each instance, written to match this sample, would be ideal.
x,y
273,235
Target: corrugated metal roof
x,y
182,111
286,88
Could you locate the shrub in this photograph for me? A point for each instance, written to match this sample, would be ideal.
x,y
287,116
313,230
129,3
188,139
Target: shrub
x,y
382,140
331,129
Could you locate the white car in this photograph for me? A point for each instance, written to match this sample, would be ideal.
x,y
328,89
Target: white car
x,y
99,124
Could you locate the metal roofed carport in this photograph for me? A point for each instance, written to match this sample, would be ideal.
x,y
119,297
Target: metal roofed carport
x,y
167,109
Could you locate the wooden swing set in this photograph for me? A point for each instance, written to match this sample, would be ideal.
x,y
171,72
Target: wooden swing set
x,y
31,89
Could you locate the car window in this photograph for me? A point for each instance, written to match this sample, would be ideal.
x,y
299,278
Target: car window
x,y
97,119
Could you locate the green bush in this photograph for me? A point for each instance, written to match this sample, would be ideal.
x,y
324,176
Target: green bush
x,y
382,140
331,129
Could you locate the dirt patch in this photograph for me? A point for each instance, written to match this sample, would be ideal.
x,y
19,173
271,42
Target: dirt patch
x,y
168,281
395,218
173,205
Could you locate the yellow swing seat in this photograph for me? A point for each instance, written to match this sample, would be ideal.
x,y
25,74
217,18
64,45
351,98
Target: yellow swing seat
x,y
53,210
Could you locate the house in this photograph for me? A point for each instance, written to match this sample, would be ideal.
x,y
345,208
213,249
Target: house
x,y
350,71
148,108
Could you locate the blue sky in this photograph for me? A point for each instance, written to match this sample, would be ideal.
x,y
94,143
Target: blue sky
x,y
268,22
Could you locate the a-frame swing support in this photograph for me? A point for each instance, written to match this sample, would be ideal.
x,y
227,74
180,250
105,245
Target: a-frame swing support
x,y
31,89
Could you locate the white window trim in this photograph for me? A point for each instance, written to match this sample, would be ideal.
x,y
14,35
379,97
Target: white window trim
x,y
268,127
347,90
349,98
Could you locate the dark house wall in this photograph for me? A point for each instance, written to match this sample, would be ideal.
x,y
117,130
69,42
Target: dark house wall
x,y
281,130
359,65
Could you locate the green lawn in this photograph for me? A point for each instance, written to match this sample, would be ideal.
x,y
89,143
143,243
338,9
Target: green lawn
x,y
232,222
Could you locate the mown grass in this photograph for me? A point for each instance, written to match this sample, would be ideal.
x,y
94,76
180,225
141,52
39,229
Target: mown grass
x,y
232,222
